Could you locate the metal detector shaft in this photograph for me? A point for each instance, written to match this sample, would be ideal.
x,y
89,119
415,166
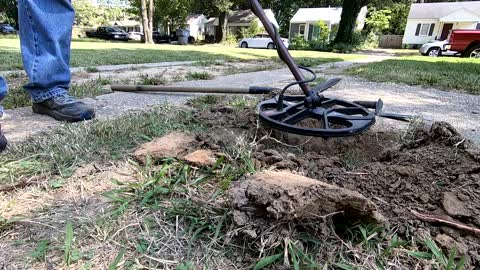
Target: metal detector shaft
x,y
282,50
254,90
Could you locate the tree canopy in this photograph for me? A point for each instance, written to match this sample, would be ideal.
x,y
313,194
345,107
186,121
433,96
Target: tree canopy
x,y
8,12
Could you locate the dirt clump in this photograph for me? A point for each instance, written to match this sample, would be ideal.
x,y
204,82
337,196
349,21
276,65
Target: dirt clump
x,y
279,196
454,207
173,144
448,243
201,158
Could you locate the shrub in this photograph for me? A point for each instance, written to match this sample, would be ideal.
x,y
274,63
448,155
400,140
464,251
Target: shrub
x,y
231,39
370,41
251,31
299,43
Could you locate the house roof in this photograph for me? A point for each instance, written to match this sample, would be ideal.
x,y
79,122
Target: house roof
x,y
247,16
241,16
125,23
332,15
440,10
194,17
213,21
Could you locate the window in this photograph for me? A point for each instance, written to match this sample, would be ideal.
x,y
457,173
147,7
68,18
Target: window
x,y
301,29
424,29
478,26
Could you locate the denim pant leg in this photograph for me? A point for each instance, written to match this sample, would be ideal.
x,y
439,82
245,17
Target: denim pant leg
x,y
3,91
45,37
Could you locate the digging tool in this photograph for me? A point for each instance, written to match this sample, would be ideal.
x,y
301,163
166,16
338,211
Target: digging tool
x,y
253,90
312,113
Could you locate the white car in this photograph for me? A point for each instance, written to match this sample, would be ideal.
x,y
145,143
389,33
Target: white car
x,y
260,41
135,35
436,48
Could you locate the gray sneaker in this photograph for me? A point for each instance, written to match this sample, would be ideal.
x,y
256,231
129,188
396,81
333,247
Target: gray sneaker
x,y
64,108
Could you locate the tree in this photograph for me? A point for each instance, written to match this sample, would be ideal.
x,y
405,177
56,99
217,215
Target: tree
x,y
379,20
9,10
348,21
173,13
145,20
224,7
399,17
88,15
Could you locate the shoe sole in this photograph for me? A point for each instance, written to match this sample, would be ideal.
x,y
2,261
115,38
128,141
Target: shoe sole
x,y
87,115
3,142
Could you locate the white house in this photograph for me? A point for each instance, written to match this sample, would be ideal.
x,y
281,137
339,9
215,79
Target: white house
x,y
196,26
128,25
244,18
304,21
433,21
211,29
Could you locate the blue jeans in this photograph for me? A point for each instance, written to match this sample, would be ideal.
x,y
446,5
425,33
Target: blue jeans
x,y
45,37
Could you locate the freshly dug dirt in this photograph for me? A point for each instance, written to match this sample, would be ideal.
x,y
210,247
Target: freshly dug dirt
x,y
432,171
201,158
284,196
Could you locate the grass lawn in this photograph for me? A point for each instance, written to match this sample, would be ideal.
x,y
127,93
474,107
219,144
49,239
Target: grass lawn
x,y
443,72
115,213
93,53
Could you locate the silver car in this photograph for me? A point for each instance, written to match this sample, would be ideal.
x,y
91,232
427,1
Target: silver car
x,y
436,48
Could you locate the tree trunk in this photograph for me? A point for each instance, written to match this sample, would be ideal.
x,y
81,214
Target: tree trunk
x,y
225,27
150,16
348,22
219,29
147,32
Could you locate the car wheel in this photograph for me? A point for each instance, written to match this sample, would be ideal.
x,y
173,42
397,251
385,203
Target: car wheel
x,y
271,46
244,45
434,52
474,52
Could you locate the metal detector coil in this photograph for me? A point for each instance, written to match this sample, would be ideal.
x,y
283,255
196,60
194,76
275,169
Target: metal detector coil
x,y
313,114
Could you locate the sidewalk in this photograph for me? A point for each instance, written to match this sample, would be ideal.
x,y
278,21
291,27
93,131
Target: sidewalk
x,y
461,110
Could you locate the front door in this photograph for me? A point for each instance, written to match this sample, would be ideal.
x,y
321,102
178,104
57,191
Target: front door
x,y
446,30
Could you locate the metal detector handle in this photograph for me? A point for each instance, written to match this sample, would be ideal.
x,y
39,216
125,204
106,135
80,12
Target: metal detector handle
x,y
253,90
282,50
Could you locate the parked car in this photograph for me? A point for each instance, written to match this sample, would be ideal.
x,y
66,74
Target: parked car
x,y
108,33
465,42
161,38
436,48
135,35
6,29
260,41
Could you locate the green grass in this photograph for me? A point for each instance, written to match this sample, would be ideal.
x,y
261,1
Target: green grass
x,y
93,53
73,145
199,76
442,73
17,97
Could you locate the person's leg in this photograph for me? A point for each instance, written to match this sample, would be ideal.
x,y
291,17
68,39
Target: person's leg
x,y
45,35
3,93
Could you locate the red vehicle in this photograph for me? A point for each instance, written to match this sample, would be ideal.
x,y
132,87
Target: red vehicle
x,y
465,42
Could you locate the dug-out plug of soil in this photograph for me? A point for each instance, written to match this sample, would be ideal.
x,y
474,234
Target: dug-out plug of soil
x,y
270,197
